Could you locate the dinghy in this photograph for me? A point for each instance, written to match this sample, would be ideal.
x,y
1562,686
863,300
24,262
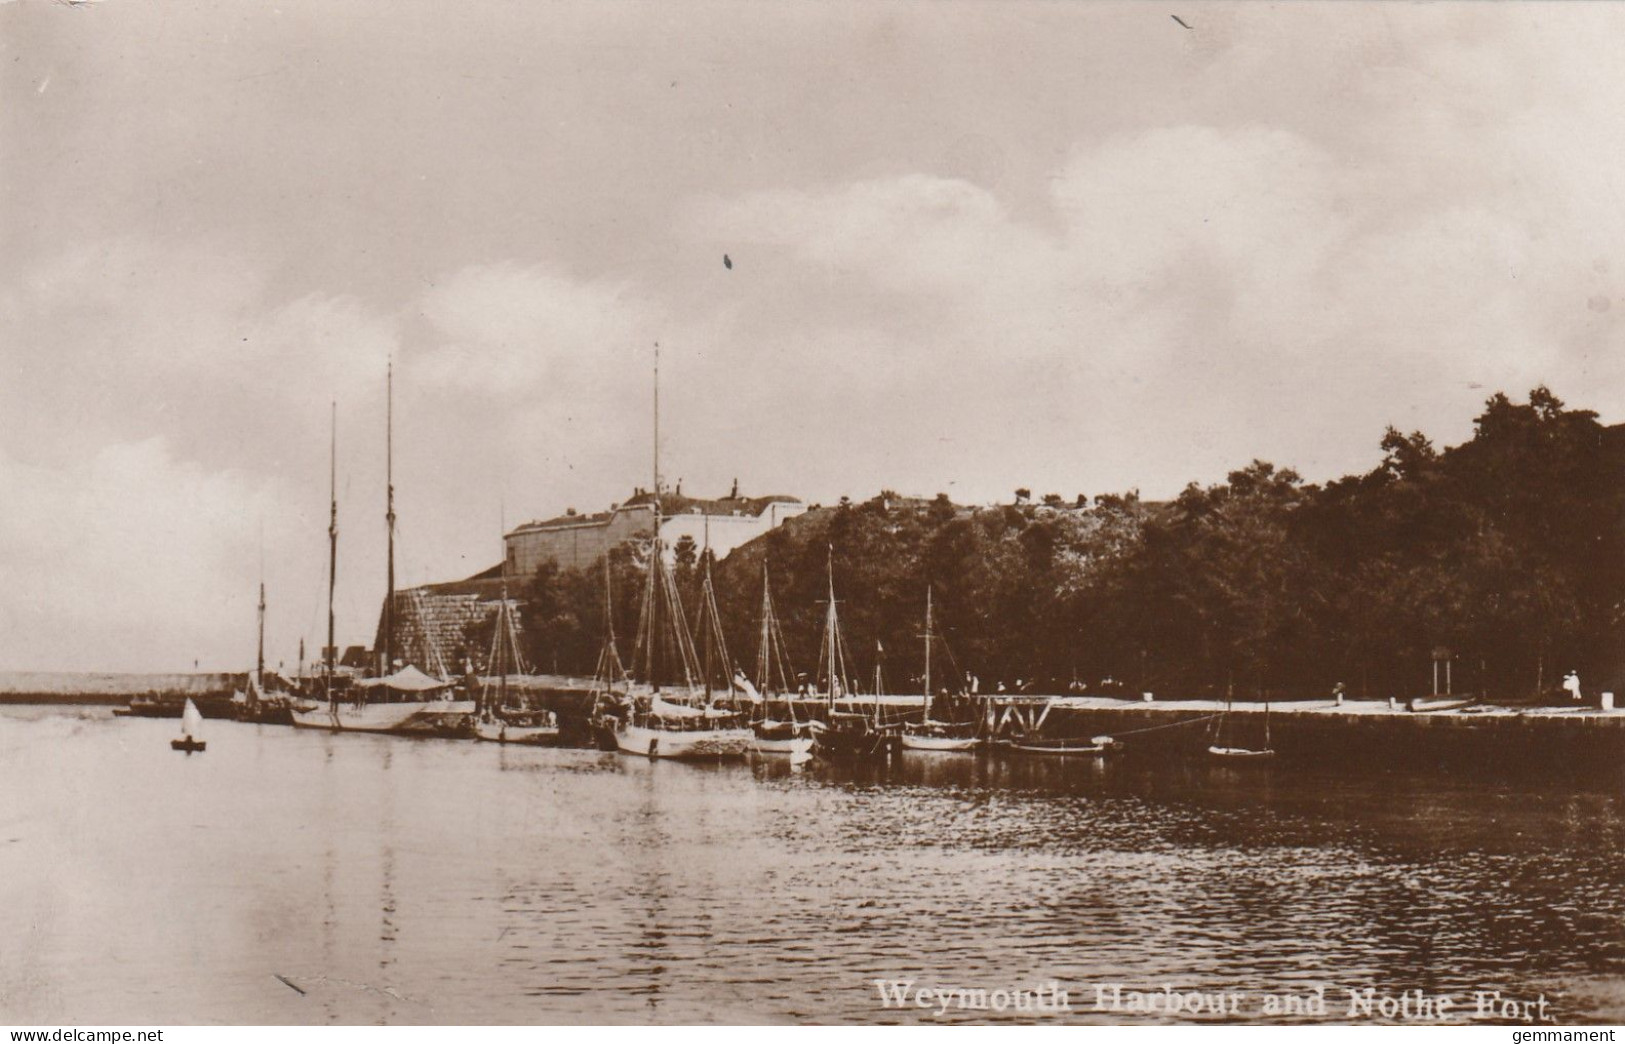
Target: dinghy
x,y
191,725
1096,747
1240,753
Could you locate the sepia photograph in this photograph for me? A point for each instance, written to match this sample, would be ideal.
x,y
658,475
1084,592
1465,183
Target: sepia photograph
x,y
845,513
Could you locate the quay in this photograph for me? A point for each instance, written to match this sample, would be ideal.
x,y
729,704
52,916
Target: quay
x,y
1367,732
1371,732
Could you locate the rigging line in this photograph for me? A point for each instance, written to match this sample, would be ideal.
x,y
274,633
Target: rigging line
x,y
1171,724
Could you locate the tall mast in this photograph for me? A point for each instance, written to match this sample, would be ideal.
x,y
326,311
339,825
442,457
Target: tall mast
x,y
332,539
763,666
657,561
830,624
389,514
657,440
503,621
259,658
927,652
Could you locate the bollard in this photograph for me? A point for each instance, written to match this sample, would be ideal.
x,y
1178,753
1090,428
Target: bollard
x,y
1607,701
1147,697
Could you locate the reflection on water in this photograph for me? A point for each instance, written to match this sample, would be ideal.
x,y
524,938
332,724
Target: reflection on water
x,y
402,881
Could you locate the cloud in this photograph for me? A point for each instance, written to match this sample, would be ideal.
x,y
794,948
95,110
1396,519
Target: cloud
x,y
1140,256
128,560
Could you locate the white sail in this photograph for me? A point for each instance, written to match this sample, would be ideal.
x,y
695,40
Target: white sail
x,y
191,720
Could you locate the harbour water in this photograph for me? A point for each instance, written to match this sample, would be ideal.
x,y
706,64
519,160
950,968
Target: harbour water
x,y
291,876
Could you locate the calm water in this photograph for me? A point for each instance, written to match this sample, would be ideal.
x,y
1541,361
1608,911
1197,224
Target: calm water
x,y
402,881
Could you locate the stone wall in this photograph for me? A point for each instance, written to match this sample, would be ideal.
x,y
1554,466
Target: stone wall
x,y
440,626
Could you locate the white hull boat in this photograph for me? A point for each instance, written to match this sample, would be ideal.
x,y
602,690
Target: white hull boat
x,y
502,732
382,716
692,744
926,741
1240,753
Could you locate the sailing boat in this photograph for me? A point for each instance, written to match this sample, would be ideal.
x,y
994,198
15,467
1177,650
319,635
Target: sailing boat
x,y
497,721
1235,755
690,725
191,725
847,733
931,734
773,736
405,700
257,705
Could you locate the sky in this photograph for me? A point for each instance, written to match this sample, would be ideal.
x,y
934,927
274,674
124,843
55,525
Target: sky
x,y
975,246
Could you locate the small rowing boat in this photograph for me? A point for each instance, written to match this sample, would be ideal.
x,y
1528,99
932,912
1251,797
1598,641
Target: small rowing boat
x,y
1095,747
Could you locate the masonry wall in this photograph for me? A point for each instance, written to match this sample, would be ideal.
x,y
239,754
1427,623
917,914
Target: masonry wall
x,y
438,630
579,545
576,546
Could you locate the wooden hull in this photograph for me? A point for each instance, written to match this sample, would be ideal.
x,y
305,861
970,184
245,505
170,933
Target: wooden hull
x,y
689,744
1239,754
531,735
266,713
380,717
188,744
1074,748
783,737
1425,706
788,745
849,743
926,741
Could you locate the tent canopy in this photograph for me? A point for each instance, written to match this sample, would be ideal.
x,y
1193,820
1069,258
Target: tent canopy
x,y
407,679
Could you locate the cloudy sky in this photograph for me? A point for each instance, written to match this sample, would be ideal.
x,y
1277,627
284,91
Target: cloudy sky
x,y
1073,247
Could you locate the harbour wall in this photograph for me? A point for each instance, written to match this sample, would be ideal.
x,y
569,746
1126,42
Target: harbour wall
x,y
1354,732
113,687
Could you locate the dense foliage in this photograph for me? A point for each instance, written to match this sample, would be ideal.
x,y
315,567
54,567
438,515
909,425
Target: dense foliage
x,y
1507,550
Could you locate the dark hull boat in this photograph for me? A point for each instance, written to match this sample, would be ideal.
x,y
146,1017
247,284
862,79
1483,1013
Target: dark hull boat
x,y
855,736
188,744
930,734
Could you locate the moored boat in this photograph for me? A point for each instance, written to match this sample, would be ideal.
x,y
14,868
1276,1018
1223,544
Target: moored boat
x,y
938,735
658,728
643,721
1229,752
930,734
847,733
1078,746
498,721
539,729
773,673
1240,754
407,700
